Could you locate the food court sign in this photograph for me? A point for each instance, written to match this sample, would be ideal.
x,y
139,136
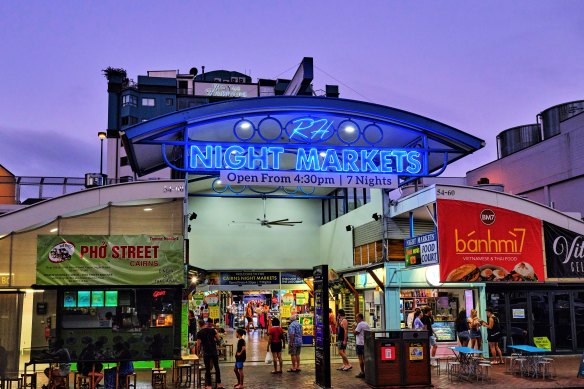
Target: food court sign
x,y
481,243
307,151
421,250
110,260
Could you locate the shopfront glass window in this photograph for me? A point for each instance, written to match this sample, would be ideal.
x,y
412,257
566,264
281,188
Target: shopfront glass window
x,y
497,302
563,321
146,318
540,313
519,333
579,319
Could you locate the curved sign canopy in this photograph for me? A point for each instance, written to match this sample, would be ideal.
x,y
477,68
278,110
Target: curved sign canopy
x,y
298,140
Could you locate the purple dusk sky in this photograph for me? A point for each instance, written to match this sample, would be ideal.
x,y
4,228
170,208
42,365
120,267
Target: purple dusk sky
x,y
479,66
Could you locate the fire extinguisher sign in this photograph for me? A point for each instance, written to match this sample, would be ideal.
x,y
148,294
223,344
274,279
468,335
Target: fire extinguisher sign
x,y
388,353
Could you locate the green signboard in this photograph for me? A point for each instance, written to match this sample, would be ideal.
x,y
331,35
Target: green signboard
x,y
110,260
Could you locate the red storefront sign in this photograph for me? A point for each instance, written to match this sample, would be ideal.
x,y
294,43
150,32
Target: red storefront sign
x,y
388,353
482,243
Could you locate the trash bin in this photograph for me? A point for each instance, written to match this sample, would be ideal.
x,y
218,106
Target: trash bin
x,y
382,362
416,361
397,358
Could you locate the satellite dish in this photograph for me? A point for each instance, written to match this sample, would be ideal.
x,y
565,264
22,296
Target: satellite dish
x,y
193,71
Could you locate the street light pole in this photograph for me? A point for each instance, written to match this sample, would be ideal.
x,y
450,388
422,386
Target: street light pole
x,y
101,135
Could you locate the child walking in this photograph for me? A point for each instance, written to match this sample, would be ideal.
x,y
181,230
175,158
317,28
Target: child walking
x,y
239,358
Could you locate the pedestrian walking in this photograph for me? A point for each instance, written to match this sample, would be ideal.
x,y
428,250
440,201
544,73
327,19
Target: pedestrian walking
x,y
342,338
240,356
360,327
294,343
276,334
207,339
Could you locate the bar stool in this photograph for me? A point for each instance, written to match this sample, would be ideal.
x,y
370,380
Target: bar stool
x,y
520,364
29,380
158,378
484,372
131,381
552,366
452,369
509,361
200,382
187,370
83,381
543,368
6,382
65,379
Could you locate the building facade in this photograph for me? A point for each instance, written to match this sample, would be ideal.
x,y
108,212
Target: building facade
x,y
165,91
542,162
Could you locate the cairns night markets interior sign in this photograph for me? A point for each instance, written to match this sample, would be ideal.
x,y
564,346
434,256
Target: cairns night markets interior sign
x,y
307,160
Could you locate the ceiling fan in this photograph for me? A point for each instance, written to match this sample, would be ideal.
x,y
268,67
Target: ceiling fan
x,y
269,223
281,222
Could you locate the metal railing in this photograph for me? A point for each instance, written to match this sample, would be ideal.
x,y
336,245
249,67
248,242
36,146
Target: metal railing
x,y
31,189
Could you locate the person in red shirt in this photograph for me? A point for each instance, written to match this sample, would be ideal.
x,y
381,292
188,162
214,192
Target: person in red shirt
x,y
332,322
275,345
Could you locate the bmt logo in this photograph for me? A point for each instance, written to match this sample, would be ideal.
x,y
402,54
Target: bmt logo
x,y
488,216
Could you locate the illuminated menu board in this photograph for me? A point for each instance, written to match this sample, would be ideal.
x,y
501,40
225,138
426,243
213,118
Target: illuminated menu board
x,y
97,298
111,298
83,298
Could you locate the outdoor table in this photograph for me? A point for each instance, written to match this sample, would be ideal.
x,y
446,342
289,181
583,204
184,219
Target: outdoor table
x,y
195,359
532,356
468,364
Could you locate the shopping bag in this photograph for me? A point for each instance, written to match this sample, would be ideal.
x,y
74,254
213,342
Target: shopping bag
x,y
269,358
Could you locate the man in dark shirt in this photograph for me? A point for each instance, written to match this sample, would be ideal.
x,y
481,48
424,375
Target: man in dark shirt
x,y
207,338
428,320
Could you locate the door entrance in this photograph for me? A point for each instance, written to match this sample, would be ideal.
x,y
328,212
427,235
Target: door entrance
x,y
529,314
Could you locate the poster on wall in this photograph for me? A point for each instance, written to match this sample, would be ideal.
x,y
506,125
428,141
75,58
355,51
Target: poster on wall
x,y
110,260
482,243
564,252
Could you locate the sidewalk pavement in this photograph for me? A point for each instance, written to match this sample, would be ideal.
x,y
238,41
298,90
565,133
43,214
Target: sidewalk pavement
x,y
258,376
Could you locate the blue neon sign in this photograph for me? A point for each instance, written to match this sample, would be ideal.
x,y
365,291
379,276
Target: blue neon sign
x,y
209,157
314,128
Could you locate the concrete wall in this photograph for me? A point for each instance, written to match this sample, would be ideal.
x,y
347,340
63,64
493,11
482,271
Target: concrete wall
x,y
336,245
227,235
